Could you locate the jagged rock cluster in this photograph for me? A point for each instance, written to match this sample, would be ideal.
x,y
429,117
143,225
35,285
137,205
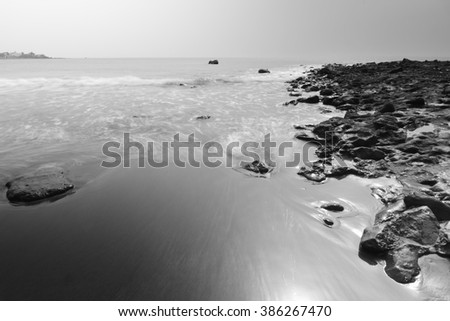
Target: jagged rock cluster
x,y
396,123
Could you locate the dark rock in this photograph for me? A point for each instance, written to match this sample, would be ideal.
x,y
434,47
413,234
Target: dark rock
x,y
38,185
258,167
378,239
326,92
396,70
386,122
333,124
213,62
368,153
439,209
203,117
309,137
309,100
314,88
328,222
264,71
333,207
343,171
387,108
365,141
416,102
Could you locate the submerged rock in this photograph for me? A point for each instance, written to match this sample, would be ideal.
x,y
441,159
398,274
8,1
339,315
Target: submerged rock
x,y
38,185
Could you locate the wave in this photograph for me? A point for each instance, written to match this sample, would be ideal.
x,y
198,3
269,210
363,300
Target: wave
x,y
54,82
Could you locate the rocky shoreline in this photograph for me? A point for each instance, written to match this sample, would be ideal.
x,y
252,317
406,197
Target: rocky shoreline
x,y
396,124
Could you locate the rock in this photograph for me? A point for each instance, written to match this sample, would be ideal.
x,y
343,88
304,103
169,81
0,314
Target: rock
x,y
343,171
213,62
402,263
368,153
387,108
313,174
416,102
264,71
333,207
446,91
326,92
332,125
387,122
378,239
439,209
314,88
386,194
258,167
404,236
309,100
396,70
365,141
328,222
203,117
38,185
309,137
417,224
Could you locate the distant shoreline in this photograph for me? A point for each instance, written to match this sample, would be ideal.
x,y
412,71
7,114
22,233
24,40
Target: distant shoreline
x,y
16,55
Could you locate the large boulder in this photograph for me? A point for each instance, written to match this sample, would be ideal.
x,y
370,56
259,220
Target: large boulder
x,y
264,71
439,209
404,237
38,185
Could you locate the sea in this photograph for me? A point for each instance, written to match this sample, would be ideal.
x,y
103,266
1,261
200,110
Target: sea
x,y
177,232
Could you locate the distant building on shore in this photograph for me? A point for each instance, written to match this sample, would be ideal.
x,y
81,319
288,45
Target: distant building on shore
x,y
21,55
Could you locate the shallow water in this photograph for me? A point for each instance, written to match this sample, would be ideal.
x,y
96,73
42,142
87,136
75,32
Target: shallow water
x,y
173,233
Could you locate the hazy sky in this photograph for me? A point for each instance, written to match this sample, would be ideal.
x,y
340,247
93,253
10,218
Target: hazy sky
x,y
328,30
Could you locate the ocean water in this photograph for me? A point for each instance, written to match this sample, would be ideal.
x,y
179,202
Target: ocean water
x,y
174,233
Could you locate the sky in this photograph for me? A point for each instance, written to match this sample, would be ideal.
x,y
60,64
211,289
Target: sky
x,y
321,30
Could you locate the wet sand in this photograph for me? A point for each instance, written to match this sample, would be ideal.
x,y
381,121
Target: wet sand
x,y
192,234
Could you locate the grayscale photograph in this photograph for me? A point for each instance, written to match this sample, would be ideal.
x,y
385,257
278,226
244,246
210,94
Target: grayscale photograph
x,y
225,150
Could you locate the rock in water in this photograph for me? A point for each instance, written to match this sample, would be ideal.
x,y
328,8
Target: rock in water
x,y
309,100
213,62
264,71
38,185
203,117
258,167
333,207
